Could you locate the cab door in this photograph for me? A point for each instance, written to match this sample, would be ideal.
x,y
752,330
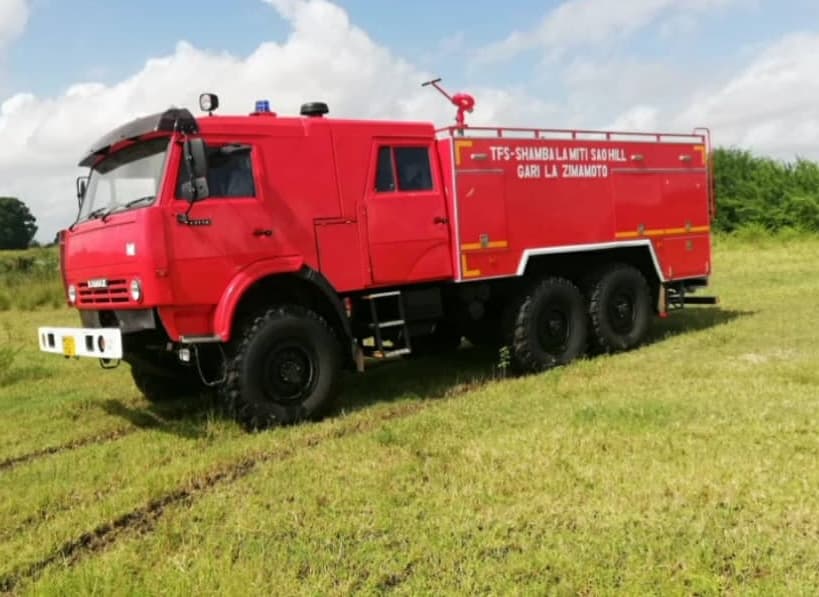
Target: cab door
x,y
225,232
408,227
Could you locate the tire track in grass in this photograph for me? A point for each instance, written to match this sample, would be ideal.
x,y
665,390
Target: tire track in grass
x,y
148,421
82,442
144,520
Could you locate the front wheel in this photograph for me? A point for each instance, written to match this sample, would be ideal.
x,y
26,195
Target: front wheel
x,y
285,369
548,326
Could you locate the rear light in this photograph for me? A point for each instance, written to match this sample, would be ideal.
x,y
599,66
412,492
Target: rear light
x,y
136,290
72,294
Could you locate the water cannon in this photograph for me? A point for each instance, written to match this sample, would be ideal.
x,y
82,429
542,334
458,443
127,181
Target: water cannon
x,y
462,101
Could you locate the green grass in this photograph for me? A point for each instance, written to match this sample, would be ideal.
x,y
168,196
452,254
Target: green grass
x,y
685,467
30,280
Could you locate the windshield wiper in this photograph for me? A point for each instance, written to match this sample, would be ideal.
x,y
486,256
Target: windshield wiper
x,y
96,213
104,212
131,203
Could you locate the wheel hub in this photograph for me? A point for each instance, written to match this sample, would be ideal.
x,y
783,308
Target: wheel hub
x,y
622,313
554,329
289,373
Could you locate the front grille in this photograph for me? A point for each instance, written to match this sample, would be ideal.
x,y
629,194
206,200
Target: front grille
x,y
115,292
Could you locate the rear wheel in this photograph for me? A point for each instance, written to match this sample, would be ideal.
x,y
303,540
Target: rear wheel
x,y
619,308
547,326
285,368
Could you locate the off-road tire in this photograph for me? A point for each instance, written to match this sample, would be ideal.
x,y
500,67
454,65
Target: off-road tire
x,y
547,326
619,309
271,356
158,388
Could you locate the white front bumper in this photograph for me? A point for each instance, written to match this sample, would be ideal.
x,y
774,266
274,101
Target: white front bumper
x,y
97,343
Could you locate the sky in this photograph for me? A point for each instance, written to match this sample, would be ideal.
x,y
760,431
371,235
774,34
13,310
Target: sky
x,y
70,71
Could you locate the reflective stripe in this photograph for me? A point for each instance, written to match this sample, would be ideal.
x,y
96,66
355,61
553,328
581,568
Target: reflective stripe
x,y
529,253
496,244
662,232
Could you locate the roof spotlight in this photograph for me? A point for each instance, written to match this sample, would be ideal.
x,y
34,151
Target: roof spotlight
x,y
208,102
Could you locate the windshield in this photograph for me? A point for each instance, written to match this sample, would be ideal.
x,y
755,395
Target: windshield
x,y
127,179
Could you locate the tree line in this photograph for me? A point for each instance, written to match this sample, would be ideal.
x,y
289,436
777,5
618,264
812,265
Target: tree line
x,y
766,193
17,224
750,190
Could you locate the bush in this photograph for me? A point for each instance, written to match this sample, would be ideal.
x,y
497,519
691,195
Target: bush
x,y
30,279
757,194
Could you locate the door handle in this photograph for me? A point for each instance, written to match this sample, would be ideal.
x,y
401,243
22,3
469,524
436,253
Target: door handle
x,y
440,220
262,232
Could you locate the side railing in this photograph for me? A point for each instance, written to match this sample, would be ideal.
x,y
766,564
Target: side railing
x,y
573,134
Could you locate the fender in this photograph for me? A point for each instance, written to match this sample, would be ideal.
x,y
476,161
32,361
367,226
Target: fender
x,y
316,278
235,290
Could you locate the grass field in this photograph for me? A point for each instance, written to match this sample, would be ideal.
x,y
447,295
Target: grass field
x,y
686,467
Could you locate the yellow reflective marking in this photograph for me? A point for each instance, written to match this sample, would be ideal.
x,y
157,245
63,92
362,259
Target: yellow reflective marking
x,y
700,149
661,232
458,146
468,273
496,244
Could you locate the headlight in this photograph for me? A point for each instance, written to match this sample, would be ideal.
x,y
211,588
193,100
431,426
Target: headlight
x,y
136,290
72,294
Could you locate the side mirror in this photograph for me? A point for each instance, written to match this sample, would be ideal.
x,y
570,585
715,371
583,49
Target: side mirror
x,y
82,187
196,162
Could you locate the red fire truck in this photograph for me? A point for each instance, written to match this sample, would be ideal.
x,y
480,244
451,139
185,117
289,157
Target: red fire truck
x,y
263,255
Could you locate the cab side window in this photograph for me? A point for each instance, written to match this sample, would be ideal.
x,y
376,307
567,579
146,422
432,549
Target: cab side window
x,y
230,173
384,176
412,165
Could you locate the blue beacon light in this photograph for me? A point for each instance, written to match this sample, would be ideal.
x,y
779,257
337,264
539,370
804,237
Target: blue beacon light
x,y
262,106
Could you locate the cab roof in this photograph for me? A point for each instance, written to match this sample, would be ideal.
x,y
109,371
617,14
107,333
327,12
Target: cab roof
x,y
274,125
257,123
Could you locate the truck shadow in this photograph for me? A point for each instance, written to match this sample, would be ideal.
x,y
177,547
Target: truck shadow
x,y
186,417
428,378
425,378
690,321
469,367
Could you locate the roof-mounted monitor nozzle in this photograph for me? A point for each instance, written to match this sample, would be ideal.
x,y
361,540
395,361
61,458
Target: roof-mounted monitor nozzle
x,y
462,101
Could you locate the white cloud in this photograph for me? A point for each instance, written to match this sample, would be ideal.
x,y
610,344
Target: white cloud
x,y
13,19
769,105
638,118
578,23
324,58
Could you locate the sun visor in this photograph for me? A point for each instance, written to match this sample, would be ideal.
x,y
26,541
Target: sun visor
x,y
175,119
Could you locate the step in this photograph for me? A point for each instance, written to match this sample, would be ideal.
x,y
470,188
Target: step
x,y
388,324
380,354
379,295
